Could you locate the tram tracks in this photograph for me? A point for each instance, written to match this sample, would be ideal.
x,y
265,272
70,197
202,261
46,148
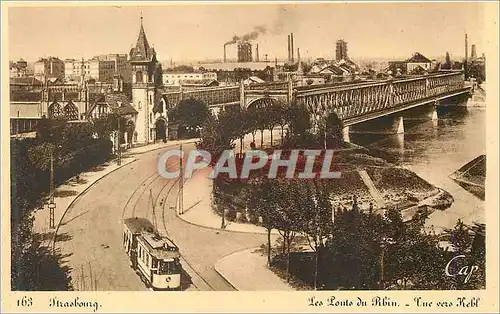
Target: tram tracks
x,y
155,175
138,195
184,261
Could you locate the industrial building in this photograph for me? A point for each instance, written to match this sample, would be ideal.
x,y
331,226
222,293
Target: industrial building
x,y
244,52
341,50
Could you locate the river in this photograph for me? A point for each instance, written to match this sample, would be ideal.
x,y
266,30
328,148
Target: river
x,y
434,150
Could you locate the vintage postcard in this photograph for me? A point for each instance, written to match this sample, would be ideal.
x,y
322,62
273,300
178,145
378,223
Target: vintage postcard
x,y
219,156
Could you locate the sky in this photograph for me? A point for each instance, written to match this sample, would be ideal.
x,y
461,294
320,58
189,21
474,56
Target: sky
x,y
198,31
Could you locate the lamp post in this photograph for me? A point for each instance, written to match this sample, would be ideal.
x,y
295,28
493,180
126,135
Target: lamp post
x,y
118,141
181,183
52,204
383,245
119,152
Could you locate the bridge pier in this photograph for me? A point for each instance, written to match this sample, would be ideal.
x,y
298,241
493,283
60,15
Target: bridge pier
x,y
427,112
457,105
455,101
393,124
345,134
398,125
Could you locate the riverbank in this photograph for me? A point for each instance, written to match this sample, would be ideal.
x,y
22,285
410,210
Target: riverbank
x,y
472,176
376,184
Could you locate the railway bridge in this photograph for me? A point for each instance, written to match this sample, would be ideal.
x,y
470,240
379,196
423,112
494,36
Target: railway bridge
x,y
362,106
359,105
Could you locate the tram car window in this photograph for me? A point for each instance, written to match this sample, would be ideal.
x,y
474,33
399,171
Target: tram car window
x,y
156,259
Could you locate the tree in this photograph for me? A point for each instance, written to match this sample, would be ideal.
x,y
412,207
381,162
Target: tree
x,y
33,266
191,113
314,202
333,131
273,113
283,119
182,69
299,120
468,241
478,71
288,217
50,130
241,124
252,118
261,198
368,251
262,124
218,134
414,257
105,125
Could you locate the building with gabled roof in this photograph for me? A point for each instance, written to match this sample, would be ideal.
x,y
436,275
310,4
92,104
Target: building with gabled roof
x,y
411,65
418,58
117,103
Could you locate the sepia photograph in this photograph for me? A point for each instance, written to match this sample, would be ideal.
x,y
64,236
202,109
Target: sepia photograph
x,y
169,148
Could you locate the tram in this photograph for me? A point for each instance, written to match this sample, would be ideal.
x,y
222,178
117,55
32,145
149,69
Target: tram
x,y
154,258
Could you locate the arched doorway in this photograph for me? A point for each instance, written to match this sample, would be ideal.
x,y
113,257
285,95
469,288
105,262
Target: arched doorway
x,y
130,128
161,129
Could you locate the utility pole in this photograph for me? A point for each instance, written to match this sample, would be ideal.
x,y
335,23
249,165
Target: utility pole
x,y
181,184
52,204
382,267
17,125
119,139
325,140
153,206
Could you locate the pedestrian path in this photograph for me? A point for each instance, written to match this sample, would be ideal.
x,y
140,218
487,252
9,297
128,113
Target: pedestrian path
x,y
198,210
247,271
67,193
150,147
371,188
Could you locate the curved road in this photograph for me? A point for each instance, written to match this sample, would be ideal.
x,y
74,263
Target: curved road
x,y
90,235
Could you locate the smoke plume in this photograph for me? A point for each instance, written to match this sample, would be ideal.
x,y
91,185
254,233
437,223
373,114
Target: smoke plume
x,y
286,17
257,31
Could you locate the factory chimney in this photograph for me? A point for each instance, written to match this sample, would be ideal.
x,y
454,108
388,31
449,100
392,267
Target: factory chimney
x,y
466,55
291,46
257,53
473,55
224,53
289,55
299,67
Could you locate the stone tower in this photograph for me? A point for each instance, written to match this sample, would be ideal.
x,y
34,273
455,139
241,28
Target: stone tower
x,y
144,64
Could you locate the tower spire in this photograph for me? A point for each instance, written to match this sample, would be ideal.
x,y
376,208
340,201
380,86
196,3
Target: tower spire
x,y
142,51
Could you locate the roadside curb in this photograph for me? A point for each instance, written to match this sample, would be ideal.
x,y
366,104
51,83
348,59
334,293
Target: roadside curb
x,y
157,148
217,229
224,278
214,228
221,273
79,195
218,271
